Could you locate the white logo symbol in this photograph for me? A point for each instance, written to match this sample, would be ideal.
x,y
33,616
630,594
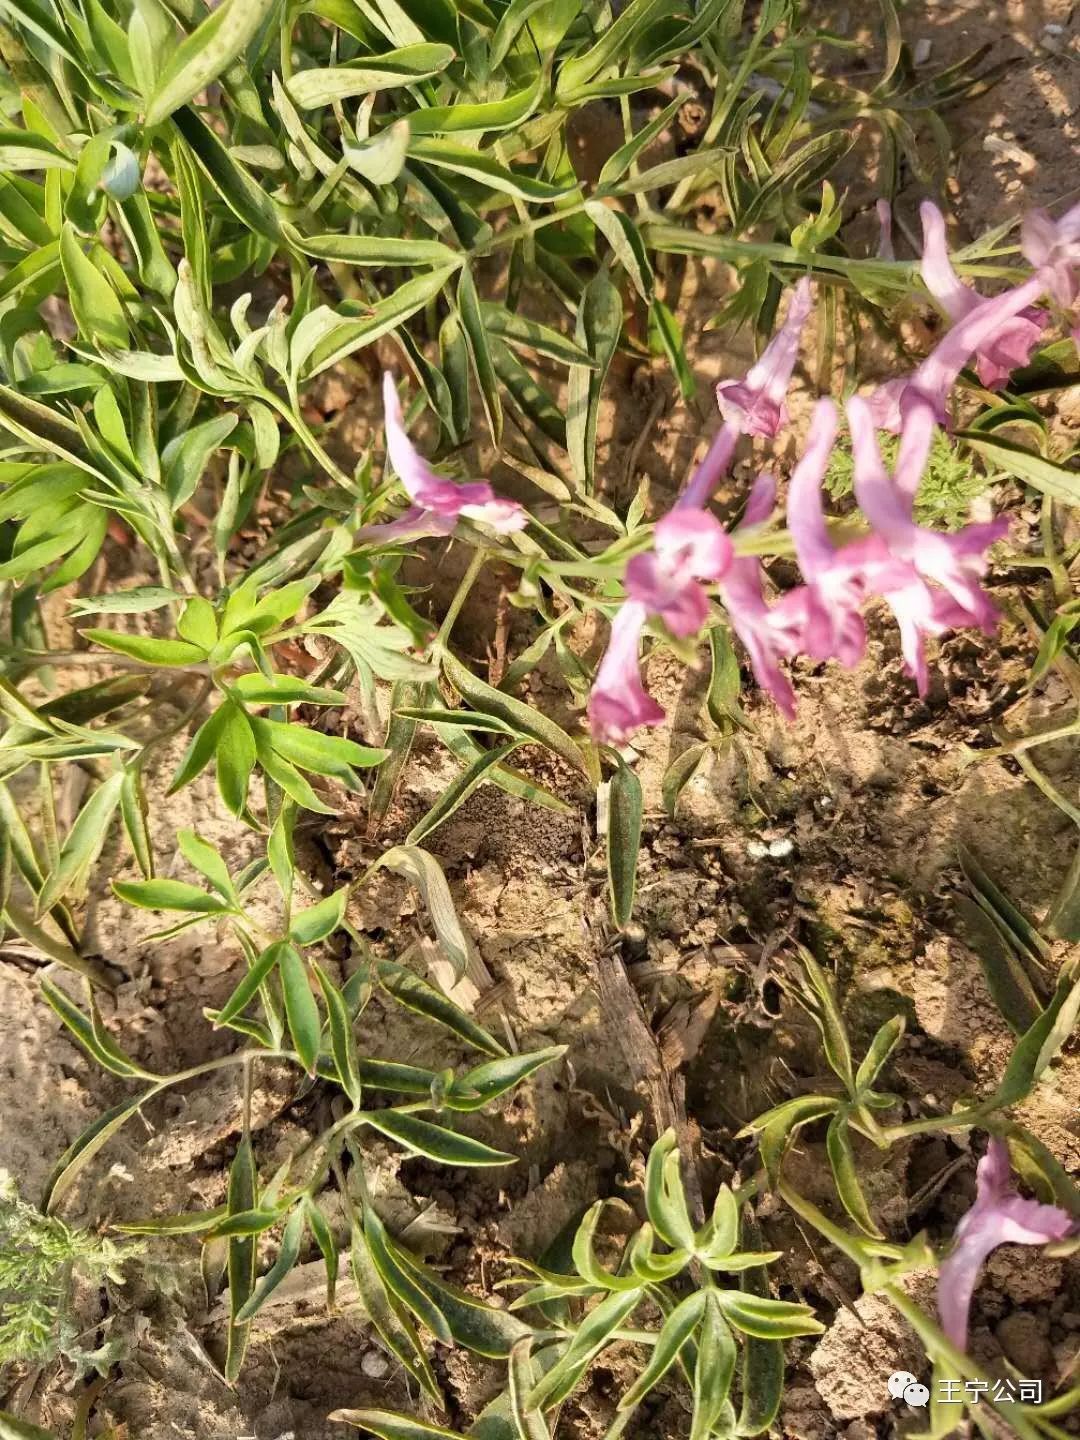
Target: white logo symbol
x,y
904,1386
899,1382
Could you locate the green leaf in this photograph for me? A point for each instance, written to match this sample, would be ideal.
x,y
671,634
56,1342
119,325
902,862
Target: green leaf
x,y
885,1041
524,333
521,1378
599,324
342,1040
522,718
478,1087
134,601
767,1319
1006,979
197,623
399,1279
465,719
236,749
511,22
592,1335
245,199
501,114
83,843
315,751
620,161
666,339
713,1369
324,1238
777,1126
204,55
676,1330
168,895
1043,475
1021,931
417,995
818,995
455,795
94,303
400,732
388,1316
322,86
202,856
147,648
300,1007
249,986
625,808
1039,1045
841,1154
474,1325
92,1035
184,459
242,1197
12,1428
763,1360
386,1424
287,1256
259,689
445,155
434,1142
613,45
665,1199
96,1135
310,926
622,235
472,322
361,325
133,810
380,250
200,749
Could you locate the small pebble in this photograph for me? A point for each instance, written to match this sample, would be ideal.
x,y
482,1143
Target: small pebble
x,y
778,849
374,1364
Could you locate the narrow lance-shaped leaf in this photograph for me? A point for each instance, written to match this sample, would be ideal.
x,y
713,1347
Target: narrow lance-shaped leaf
x,y
83,843
625,809
204,55
242,1252
599,324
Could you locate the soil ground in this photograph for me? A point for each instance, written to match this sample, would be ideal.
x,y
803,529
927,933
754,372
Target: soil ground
x,y
869,800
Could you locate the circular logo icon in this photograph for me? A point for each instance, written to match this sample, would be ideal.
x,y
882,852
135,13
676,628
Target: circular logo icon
x,y
916,1394
899,1382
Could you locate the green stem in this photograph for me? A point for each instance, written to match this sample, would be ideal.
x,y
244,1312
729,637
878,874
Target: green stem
x,y
476,564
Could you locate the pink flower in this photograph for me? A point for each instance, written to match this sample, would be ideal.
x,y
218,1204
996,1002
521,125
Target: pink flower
x,y
1009,346
619,703
824,615
688,546
753,405
906,556
752,618
1053,246
999,1216
932,381
437,502
756,403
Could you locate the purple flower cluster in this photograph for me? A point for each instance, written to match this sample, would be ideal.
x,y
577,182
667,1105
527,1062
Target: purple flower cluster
x,y
927,578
